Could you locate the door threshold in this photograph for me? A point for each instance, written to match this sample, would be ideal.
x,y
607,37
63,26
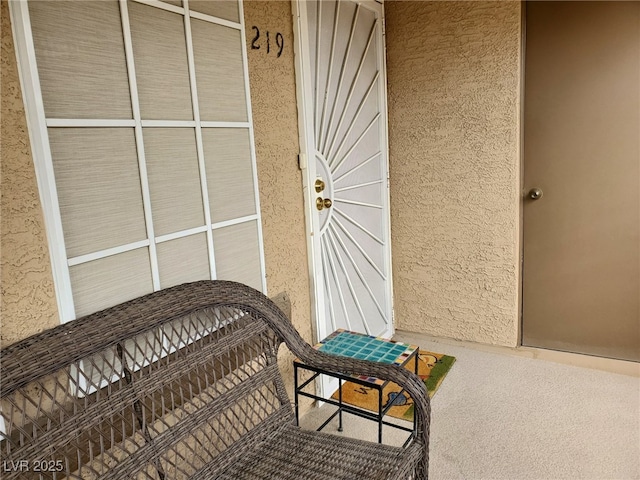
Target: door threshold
x,y
622,367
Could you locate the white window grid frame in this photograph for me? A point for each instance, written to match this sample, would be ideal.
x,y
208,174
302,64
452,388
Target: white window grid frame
x,y
38,125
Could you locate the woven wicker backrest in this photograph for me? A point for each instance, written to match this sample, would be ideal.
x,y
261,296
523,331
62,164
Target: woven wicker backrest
x,y
176,384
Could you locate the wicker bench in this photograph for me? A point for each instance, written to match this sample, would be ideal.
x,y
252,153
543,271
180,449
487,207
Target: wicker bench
x,y
182,383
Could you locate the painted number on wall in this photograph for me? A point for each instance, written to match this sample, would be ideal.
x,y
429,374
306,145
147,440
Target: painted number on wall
x,y
256,42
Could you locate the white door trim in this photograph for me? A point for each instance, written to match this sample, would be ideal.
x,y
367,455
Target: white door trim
x,y
305,119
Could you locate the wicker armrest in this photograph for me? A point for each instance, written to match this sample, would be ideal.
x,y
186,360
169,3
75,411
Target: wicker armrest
x,y
408,380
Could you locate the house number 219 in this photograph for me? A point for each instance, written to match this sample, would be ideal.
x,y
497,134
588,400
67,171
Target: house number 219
x,y
255,45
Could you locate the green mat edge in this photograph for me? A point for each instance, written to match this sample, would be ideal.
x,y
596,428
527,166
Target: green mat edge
x,y
438,372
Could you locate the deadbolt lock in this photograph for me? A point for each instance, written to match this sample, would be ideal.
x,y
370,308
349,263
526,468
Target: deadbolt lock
x,y
323,203
319,185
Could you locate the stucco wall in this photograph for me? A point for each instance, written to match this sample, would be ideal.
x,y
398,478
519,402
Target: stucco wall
x,y
454,123
273,99
28,303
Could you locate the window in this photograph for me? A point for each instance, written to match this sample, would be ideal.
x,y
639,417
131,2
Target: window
x,y
140,122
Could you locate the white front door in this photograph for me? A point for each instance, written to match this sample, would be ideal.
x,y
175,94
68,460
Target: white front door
x,y
341,82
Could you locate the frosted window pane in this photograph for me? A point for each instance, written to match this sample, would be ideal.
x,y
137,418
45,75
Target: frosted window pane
x,y
183,260
109,281
219,72
81,62
227,9
174,179
238,254
227,155
98,184
160,54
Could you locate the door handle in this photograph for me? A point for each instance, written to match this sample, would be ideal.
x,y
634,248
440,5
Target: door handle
x,y
323,203
535,194
319,185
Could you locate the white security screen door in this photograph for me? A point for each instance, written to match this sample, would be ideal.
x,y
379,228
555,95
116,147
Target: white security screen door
x,y
140,123
342,93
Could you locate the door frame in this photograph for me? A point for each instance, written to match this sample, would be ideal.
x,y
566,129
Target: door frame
x,y
307,160
520,290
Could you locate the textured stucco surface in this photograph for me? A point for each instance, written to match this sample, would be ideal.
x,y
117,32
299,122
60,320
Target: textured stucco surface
x,y
453,75
273,100
28,303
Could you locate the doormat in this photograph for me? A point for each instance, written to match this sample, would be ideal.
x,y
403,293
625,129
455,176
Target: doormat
x,y
432,368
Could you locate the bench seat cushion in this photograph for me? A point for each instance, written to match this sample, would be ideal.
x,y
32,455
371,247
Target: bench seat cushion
x,y
296,454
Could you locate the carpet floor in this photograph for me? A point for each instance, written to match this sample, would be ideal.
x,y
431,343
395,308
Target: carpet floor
x,y
506,417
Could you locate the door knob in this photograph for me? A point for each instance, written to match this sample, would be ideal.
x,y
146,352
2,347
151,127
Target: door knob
x,y
323,203
319,185
535,194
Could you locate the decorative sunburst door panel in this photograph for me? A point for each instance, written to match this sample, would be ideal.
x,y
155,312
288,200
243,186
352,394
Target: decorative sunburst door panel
x,y
341,74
